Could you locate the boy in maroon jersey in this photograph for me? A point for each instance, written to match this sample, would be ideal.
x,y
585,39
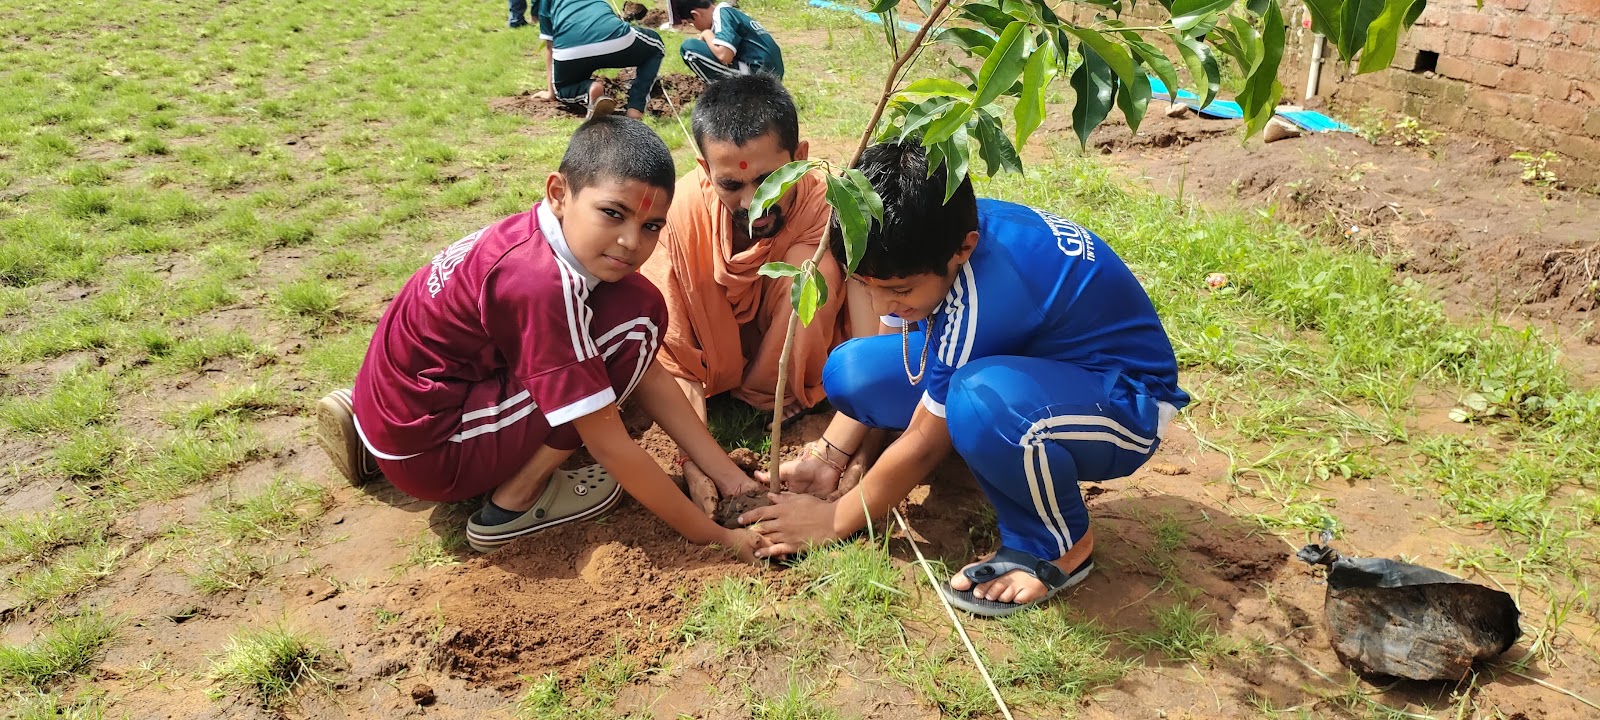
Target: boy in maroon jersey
x,y
514,346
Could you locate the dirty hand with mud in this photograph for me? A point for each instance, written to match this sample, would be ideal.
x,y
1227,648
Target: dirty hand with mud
x,y
816,472
792,524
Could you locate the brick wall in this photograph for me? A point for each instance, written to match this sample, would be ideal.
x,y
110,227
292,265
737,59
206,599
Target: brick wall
x,y
1523,71
1526,72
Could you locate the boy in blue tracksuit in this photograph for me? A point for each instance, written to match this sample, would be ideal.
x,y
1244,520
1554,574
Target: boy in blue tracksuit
x,y
730,42
582,36
1021,342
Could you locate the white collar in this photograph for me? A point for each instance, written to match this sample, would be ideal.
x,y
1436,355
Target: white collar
x,y
551,228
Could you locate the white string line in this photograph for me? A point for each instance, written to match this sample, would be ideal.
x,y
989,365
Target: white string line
x,y
927,570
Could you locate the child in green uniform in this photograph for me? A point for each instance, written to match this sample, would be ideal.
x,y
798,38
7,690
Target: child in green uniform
x,y
730,42
582,36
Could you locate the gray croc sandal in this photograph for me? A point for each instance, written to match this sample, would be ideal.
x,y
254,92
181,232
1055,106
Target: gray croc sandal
x,y
576,495
1007,560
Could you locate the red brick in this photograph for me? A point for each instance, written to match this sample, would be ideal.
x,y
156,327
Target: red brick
x,y
1472,22
1579,34
1488,75
1586,8
1528,56
1532,29
1513,4
1502,27
1426,38
1494,50
1560,114
1591,124
1568,62
1456,68
1581,148
1585,91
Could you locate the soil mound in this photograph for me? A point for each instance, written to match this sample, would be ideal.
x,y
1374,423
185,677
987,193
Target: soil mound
x,y
570,597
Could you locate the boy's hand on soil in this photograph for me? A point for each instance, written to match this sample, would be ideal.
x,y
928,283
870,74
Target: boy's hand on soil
x,y
793,523
746,543
805,474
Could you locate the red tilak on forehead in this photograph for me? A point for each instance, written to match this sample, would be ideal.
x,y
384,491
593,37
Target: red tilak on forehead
x,y
646,202
744,165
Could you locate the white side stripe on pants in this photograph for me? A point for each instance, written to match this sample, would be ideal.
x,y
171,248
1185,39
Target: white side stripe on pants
x,y
711,64
1036,462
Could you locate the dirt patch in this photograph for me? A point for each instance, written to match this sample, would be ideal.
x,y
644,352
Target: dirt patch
x,y
1454,214
634,12
730,508
672,91
560,596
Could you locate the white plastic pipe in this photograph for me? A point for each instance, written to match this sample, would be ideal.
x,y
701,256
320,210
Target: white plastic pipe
x,y
1315,73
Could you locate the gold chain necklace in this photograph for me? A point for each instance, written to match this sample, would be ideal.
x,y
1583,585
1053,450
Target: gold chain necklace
x,y
905,351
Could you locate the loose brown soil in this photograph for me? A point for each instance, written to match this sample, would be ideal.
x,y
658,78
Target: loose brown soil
x,y
634,12
1454,214
730,508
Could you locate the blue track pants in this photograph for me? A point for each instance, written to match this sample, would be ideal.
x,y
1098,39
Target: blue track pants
x,y
1030,429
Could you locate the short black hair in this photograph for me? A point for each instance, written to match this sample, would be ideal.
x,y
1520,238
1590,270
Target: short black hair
x,y
920,231
682,8
617,147
741,108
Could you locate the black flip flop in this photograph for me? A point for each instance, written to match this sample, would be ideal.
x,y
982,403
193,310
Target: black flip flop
x,y
1008,560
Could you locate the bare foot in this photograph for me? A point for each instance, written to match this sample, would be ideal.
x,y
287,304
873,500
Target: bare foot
x,y
791,411
1017,586
635,114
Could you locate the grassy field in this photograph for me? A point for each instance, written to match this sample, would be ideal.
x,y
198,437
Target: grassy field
x,y
203,209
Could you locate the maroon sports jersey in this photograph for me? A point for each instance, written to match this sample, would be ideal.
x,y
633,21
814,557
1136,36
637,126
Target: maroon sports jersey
x,y
509,298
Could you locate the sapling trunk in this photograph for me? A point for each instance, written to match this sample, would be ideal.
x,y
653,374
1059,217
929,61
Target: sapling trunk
x,y
774,483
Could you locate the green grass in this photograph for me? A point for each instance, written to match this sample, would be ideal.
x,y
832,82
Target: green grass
x,y
735,615
75,571
191,457
1183,633
283,507
430,550
89,454
594,696
854,590
28,537
66,649
35,705
79,399
255,401
227,569
270,664
1056,658
797,702
312,300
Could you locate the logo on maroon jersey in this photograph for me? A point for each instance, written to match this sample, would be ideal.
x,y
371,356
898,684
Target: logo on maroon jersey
x,y
446,261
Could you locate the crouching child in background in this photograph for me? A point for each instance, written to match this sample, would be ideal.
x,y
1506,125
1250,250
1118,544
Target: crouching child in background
x,y
1024,345
514,346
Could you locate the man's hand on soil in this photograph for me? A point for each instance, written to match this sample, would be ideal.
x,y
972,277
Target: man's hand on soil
x,y
793,523
544,95
806,474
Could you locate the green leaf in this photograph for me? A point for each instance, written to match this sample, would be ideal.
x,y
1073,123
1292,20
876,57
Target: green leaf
x,y
847,207
972,40
1133,98
1354,19
953,119
1259,100
1255,7
1204,28
1383,37
779,270
808,293
1112,54
776,185
1188,13
1325,16
1414,13
1157,61
883,6
926,6
1249,41
1095,85
1202,64
868,196
923,113
929,88
987,15
955,162
994,147
1004,64
1029,111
